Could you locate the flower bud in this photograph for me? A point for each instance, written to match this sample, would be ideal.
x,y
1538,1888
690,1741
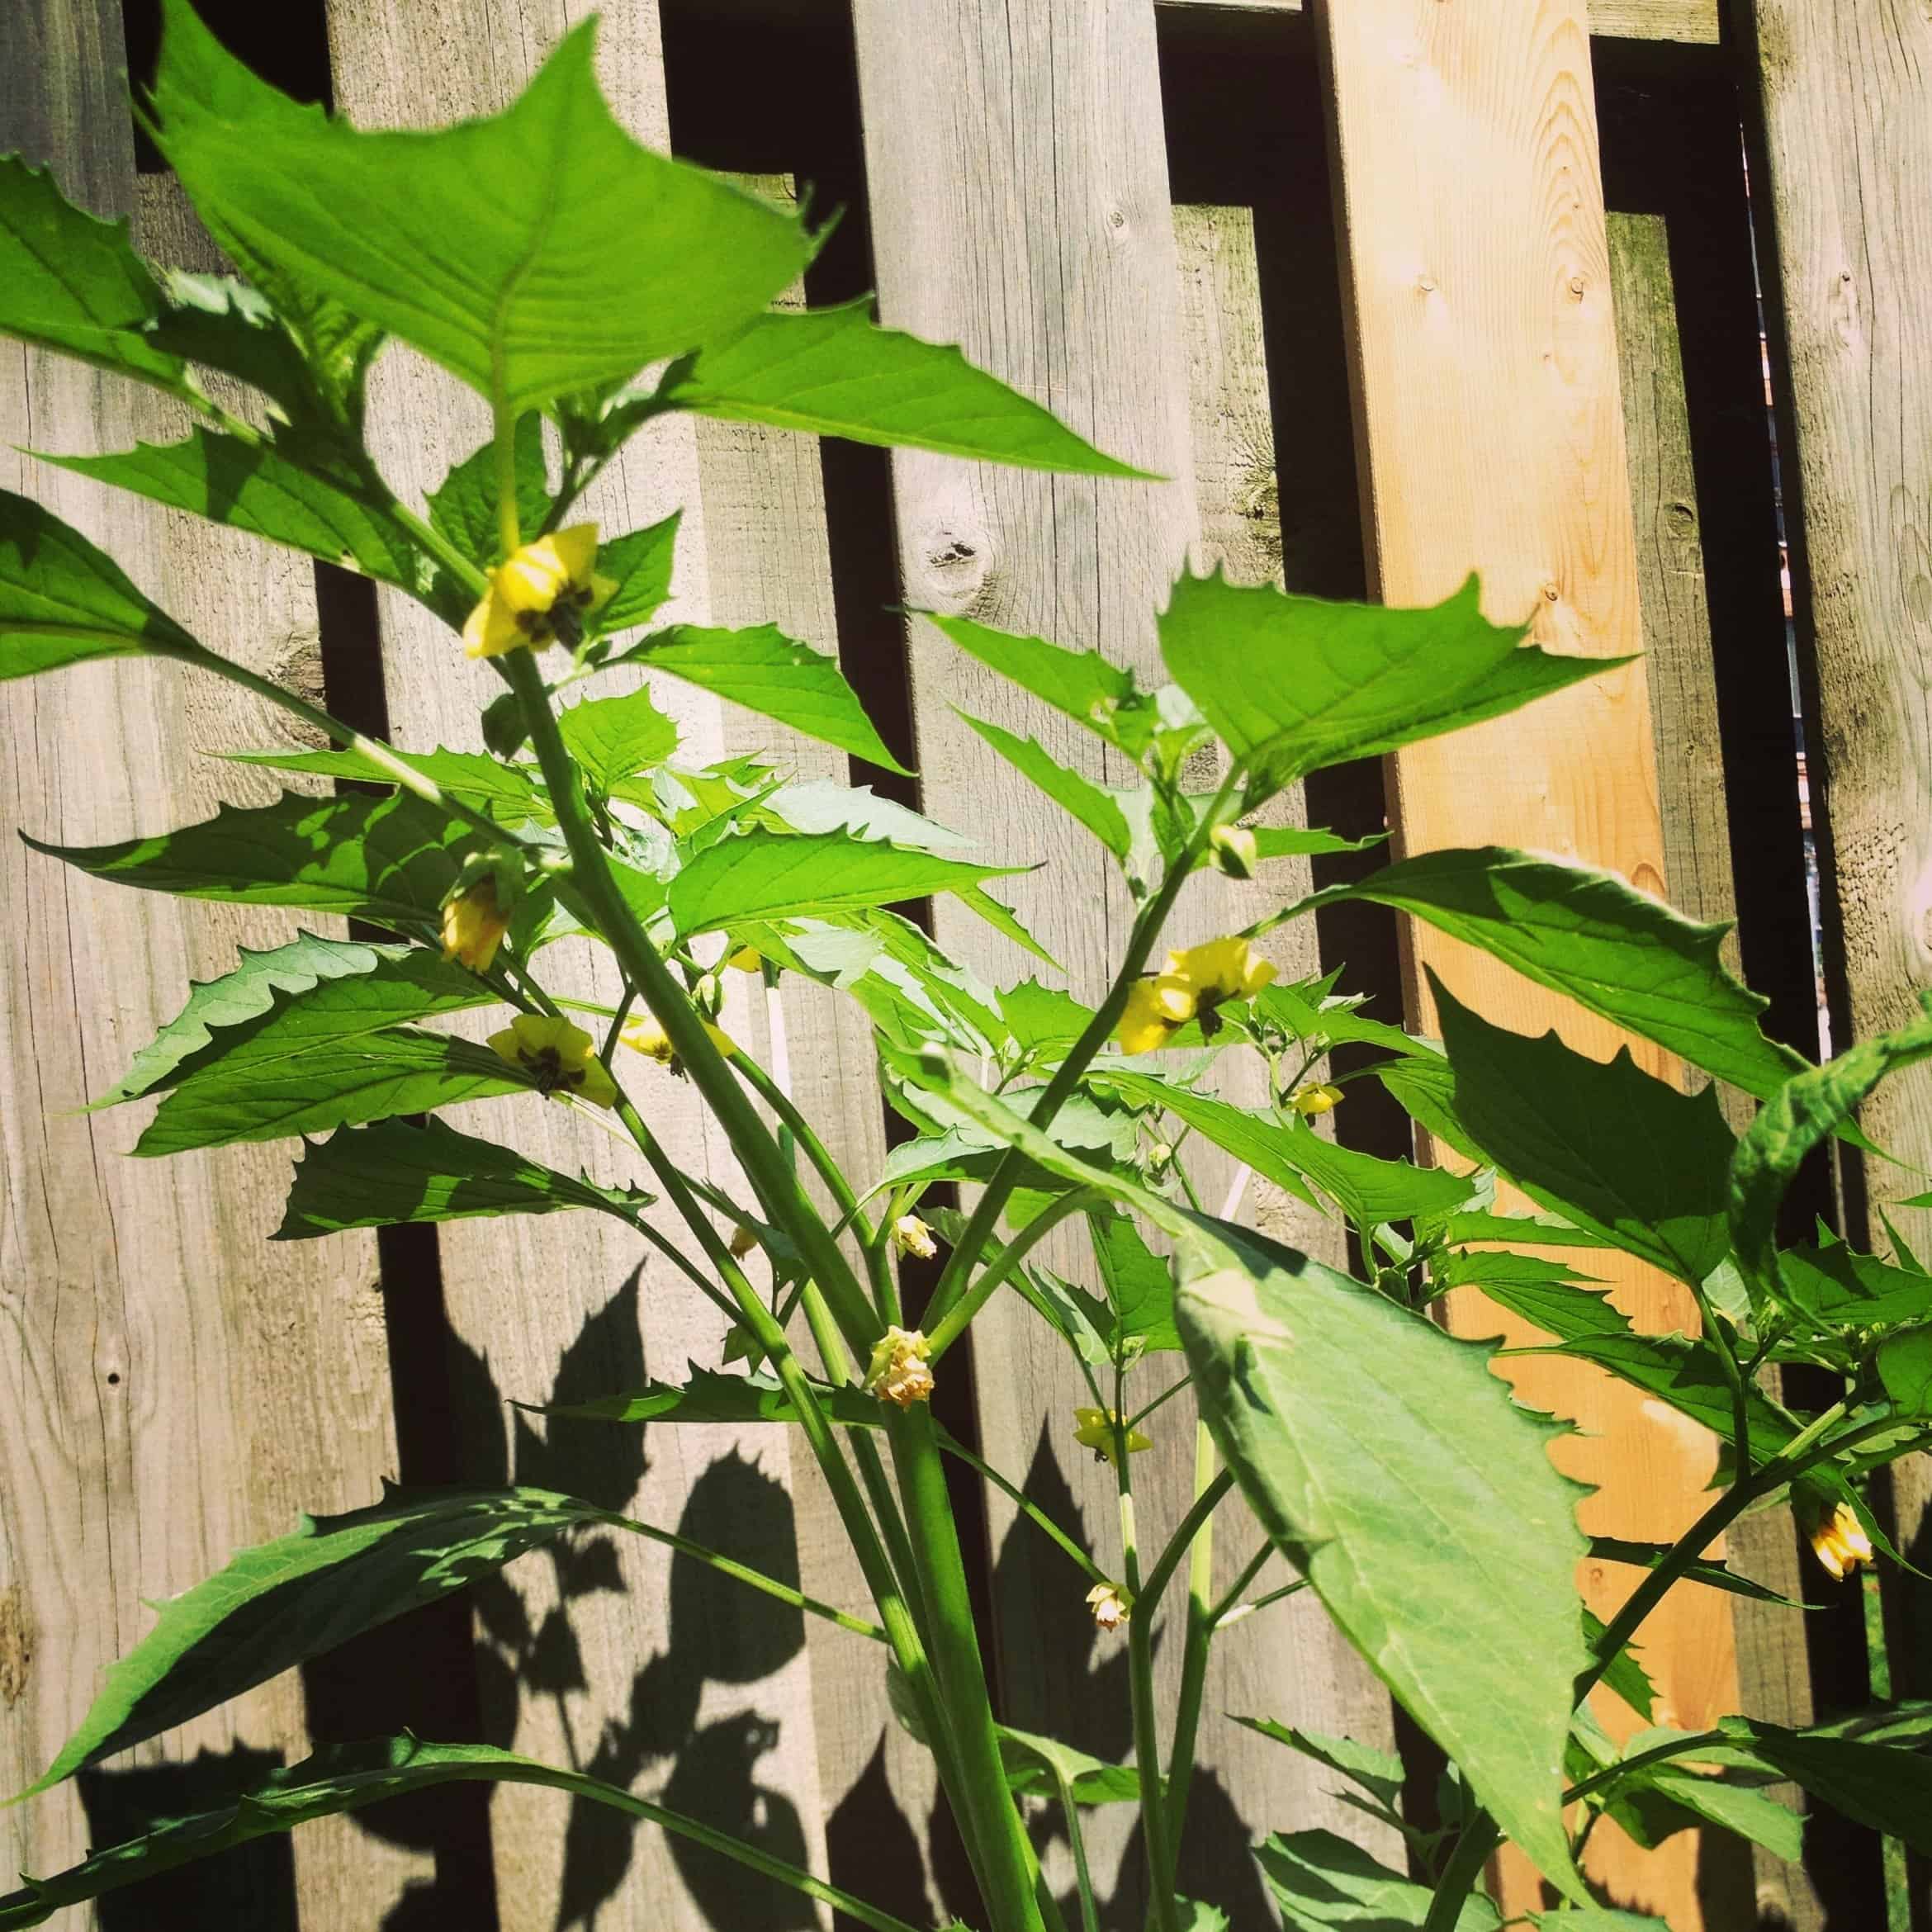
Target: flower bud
x,y
1110,1605
898,1372
911,1236
745,959
1311,1100
1233,848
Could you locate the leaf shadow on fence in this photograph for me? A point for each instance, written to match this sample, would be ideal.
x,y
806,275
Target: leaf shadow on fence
x,y
719,1634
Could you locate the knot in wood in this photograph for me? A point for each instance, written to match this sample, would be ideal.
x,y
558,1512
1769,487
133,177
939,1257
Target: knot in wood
x,y
953,562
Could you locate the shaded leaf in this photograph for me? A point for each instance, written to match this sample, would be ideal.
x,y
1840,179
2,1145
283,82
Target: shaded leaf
x,y
274,1604
342,1081
1588,935
1139,1285
1608,1146
1379,1774
1717,1575
1393,1470
835,372
388,859
1293,684
513,791
1033,1763
1257,1139
1798,1116
62,601
345,1778
709,1396
1880,1786
72,282
537,253
463,506
1322,1883
253,486
382,1175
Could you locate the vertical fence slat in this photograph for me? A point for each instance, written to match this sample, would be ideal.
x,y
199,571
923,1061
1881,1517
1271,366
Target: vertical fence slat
x,y
172,1389
657,1675
1845,96
1020,205
1636,20
1489,417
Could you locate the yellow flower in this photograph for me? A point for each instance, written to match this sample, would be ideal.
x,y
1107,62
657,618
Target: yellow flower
x,y
897,1371
745,959
1840,1541
1311,1099
1155,1008
743,1241
537,593
474,921
911,1236
556,1056
1223,970
1110,1604
1096,1432
1234,850
646,1037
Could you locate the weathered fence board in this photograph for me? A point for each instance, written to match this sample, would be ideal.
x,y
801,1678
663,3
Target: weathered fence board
x,y
1019,206
661,1676
1845,98
171,1390
1434,106
1636,20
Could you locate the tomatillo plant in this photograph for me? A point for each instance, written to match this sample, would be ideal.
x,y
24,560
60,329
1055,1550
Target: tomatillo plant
x,y
585,288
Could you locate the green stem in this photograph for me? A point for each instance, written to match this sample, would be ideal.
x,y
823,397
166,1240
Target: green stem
x,y
1207,1501
1480,1838
1249,1571
1678,1747
754,1579
1003,1264
1025,1503
765,1168
1009,1870
1194,1656
1076,1843
1147,1743
506,478
1146,929
384,757
1235,1612
1719,1336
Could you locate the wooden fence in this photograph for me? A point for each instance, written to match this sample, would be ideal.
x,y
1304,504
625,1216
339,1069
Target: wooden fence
x,y
1408,288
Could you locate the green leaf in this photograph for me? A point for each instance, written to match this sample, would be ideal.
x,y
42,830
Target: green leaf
x,y
1043,1016
774,675
513,791
463,505
1379,1774
1092,805
253,486
277,1603
1254,1137
1717,1576
228,325
1904,1367
1139,1285
1596,1919
1295,841
62,601
387,859
72,282
709,1396
1623,1674
835,372
1840,1289
383,1176
345,1778
614,738
1655,1801
639,563
771,875
1588,935
339,1083
279,1003
1293,684
1081,683
1617,1151
1322,1883
1481,1224
1034,1765
1004,920
537,253
1553,1306
1879,1786
1367,1189
1393,1470
1685,1374
1798,1116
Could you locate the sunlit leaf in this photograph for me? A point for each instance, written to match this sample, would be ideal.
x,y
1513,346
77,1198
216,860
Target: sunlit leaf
x,y
1092,805
538,251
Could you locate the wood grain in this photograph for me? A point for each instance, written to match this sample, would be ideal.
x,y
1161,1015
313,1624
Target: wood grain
x,y
1845,98
1488,418
1018,207
1771,1674
1635,20
618,1660
171,1388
